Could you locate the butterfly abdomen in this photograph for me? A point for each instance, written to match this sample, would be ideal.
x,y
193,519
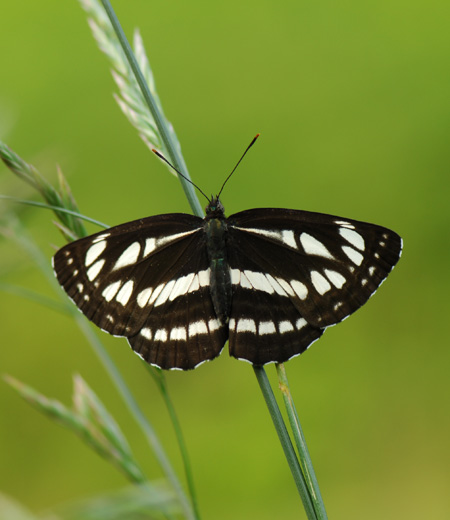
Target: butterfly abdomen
x,y
220,282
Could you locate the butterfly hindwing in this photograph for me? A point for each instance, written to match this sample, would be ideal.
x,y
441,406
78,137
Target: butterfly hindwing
x,y
181,329
266,327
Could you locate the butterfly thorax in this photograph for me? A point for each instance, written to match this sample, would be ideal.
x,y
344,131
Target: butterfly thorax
x,y
215,227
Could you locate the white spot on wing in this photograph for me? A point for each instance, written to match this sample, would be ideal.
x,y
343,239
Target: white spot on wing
x,y
178,334
235,276
195,285
165,240
213,325
246,325
312,246
94,269
80,287
150,246
276,285
335,278
181,286
371,270
94,252
321,284
161,335
353,238
354,255
245,283
110,291
129,256
165,293
101,237
147,333
287,287
259,281
285,326
344,224
203,277
125,292
300,289
155,293
266,327
198,327
286,236
300,323
143,297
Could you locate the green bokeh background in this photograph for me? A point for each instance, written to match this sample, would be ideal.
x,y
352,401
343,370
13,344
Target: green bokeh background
x,y
352,102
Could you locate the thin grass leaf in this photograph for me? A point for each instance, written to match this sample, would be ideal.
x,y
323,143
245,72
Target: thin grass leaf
x,y
89,406
55,208
69,203
86,428
146,501
30,174
130,100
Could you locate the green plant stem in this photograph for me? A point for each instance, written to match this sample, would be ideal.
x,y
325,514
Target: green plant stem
x,y
160,121
299,438
160,380
55,209
285,441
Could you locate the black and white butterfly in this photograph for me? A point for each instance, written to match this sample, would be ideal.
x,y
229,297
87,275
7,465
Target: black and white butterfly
x,y
269,281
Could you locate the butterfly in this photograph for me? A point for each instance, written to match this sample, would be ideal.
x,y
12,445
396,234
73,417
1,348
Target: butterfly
x,y
270,281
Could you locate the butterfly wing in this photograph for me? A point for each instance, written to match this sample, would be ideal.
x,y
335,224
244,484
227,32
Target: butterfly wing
x,y
147,280
294,273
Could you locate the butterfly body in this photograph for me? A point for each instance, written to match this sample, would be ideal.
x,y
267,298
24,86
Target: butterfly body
x,y
215,228
268,280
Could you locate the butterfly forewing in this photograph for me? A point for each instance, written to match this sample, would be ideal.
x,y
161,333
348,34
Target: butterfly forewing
x,y
277,277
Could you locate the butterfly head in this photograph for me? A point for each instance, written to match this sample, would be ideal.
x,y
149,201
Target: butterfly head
x,y
214,208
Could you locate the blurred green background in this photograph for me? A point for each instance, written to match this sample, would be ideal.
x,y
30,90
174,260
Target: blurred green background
x,y
352,102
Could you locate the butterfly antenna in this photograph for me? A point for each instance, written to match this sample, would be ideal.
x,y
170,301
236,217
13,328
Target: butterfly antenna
x,y
161,156
237,164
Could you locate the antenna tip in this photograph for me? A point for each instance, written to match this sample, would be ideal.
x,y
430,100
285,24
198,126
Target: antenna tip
x,y
160,155
257,135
